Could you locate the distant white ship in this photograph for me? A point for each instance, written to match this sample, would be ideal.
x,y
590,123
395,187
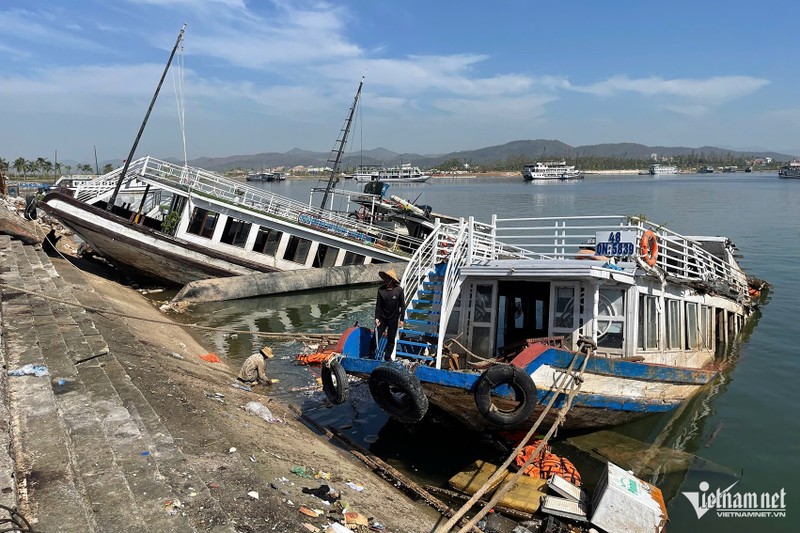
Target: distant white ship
x,y
551,170
656,169
405,173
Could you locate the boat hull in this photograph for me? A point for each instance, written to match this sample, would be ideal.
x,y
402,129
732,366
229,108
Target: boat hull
x,y
613,392
142,250
789,173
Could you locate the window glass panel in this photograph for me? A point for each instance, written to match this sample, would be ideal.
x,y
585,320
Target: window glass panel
x,y
351,258
236,232
203,222
673,324
611,318
705,327
297,249
564,307
480,341
325,256
267,241
483,303
652,323
691,326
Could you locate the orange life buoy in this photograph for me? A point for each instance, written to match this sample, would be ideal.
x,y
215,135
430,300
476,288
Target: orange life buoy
x,y
649,248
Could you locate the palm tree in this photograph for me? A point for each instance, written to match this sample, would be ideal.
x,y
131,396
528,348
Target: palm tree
x,y
40,164
106,168
20,165
30,166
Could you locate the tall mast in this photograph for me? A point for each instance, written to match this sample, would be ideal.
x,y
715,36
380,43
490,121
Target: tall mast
x,y
338,148
113,199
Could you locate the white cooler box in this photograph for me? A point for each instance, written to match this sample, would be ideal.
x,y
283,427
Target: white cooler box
x,y
624,503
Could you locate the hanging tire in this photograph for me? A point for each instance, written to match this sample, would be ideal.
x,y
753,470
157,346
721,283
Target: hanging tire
x,y
522,386
398,393
334,383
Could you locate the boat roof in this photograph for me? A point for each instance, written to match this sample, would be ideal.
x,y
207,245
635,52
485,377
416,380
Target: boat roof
x,y
552,269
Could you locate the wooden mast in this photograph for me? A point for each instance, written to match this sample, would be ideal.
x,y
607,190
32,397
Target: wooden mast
x,y
113,199
338,149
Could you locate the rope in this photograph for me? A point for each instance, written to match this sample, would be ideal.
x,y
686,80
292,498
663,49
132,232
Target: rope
x,y
561,386
102,311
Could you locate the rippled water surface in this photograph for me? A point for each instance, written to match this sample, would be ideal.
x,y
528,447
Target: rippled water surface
x,y
744,426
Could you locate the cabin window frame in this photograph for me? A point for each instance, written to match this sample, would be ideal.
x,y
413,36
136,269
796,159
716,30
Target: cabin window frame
x,y
239,237
569,333
617,319
485,329
297,249
208,222
649,318
328,252
272,241
672,323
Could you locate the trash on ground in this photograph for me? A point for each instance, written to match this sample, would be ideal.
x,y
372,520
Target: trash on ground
x,y
172,506
310,512
145,453
355,486
213,485
311,527
176,355
260,410
30,370
232,450
253,494
324,493
210,357
337,528
215,396
242,387
323,475
356,519
299,471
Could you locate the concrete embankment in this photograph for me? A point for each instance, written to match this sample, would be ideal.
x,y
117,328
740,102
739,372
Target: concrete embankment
x,y
220,289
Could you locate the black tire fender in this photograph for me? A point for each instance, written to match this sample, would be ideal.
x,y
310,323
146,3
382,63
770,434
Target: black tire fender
x,y
398,393
521,384
334,383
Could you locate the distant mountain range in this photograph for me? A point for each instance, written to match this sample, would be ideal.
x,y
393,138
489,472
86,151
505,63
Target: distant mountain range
x,y
528,151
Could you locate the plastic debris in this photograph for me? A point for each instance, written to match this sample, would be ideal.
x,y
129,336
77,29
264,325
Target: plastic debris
x,y
242,387
253,494
30,370
232,450
213,485
322,475
215,396
299,471
260,410
172,506
145,453
335,527
324,493
311,527
355,486
210,357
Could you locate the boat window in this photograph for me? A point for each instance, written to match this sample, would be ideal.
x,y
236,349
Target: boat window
x,y
564,308
203,222
297,249
674,324
236,232
648,323
483,303
691,326
325,256
267,241
611,318
351,258
706,327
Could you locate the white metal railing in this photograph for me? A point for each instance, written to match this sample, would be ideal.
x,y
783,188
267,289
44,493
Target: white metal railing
x,y
209,184
563,237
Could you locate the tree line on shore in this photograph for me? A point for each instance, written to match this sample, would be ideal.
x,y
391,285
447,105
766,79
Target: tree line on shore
x,y
42,167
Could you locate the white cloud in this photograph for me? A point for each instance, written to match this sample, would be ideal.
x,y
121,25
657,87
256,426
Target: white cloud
x,y
717,88
27,26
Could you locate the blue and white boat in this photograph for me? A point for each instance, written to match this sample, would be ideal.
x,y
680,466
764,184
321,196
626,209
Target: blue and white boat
x,y
496,314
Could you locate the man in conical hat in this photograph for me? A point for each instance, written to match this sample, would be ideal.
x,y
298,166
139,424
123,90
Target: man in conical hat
x,y
389,310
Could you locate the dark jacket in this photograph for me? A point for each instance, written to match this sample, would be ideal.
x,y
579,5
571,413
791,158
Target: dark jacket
x,y
390,303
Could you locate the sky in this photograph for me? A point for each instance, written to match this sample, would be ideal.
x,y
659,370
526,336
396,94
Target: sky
x,y
256,76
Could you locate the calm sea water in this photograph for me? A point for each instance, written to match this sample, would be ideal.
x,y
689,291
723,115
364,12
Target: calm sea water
x,y
741,429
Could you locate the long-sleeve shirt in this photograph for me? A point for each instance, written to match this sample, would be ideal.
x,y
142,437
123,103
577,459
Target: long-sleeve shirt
x,y
390,303
254,368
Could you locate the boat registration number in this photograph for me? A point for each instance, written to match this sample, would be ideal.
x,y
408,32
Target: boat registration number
x,y
615,243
